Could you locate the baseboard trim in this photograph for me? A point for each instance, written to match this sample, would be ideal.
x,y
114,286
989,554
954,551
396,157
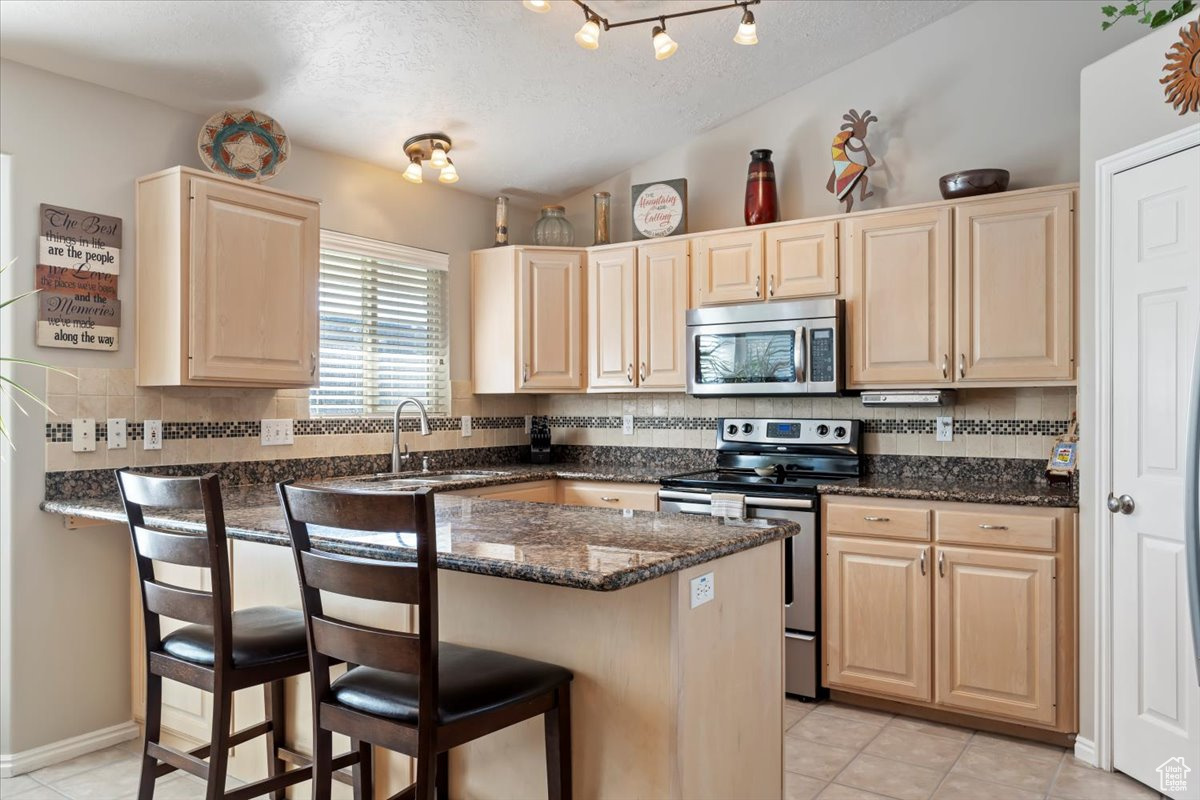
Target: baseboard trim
x,y
13,764
1085,751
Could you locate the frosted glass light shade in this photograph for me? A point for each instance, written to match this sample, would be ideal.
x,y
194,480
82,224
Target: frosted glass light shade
x,y
540,6
449,174
747,30
664,45
413,173
438,159
588,36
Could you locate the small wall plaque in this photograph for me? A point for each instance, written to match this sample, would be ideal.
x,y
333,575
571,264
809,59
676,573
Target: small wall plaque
x,y
79,259
660,209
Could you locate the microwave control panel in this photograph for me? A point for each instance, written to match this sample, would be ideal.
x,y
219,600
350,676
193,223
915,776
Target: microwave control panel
x,y
822,355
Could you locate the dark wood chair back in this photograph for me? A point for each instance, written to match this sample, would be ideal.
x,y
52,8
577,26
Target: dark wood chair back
x,y
204,551
333,640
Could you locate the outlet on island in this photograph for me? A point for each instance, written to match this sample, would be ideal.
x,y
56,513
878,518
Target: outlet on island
x,y
704,589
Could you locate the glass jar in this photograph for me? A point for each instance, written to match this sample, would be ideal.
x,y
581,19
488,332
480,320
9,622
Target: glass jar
x,y
603,223
501,221
762,200
553,229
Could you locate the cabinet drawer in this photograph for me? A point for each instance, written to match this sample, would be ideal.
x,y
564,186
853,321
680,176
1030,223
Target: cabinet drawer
x,y
870,519
1007,529
609,495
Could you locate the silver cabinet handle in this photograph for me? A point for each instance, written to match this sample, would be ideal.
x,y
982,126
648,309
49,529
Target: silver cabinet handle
x,y
922,560
629,373
524,373
610,499
945,366
962,365
642,372
312,357
1123,504
758,285
771,285
942,564
878,519
986,527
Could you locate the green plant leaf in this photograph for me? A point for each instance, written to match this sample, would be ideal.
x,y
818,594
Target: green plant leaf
x,y
1105,25
1146,19
41,364
1161,17
1130,10
11,300
1109,11
13,384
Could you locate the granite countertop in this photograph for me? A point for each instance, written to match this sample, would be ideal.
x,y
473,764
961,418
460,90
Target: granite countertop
x,y
958,490
574,546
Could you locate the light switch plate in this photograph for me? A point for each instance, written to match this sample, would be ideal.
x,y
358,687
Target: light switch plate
x,y
704,589
152,434
945,429
83,435
627,424
276,432
116,434
466,426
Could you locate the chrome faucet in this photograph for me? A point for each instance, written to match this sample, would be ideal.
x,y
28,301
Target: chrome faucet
x,y
397,459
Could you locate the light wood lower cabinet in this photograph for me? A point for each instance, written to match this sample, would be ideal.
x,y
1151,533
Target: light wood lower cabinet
x,y
636,496
974,614
530,492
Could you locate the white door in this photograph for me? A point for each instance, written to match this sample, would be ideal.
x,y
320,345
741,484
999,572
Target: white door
x,y
1156,315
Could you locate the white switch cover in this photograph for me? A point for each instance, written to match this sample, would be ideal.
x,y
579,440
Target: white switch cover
x,y
945,429
528,423
704,589
627,424
83,435
116,434
152,434
275,432
466,426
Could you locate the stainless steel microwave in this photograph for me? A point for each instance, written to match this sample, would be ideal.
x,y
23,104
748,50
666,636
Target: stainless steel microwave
x,y
766,348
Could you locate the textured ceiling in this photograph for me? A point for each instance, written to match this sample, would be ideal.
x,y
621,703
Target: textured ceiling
x,y
531,113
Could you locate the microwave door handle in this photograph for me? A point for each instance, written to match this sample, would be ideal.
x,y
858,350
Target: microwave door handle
x,y
801,354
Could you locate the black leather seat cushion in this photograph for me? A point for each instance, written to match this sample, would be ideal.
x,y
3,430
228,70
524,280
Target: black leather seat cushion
x,y
470,682
261,635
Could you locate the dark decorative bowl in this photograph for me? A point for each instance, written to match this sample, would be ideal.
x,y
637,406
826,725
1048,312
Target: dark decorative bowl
x,y
970,182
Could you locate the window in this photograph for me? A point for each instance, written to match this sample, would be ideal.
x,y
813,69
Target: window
x,y
384,328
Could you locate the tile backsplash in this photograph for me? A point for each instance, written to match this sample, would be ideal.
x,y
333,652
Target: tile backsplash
x,y
218,425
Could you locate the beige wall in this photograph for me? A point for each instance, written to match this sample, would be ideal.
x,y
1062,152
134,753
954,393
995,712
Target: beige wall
x,y
1121,106
995,84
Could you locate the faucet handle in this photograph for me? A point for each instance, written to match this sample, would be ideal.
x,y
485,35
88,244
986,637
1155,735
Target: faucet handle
x,y
424,463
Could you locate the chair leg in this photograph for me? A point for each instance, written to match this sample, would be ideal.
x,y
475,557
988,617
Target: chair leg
x,y
218,756
153,731
322,779
558,746
275,714
443,775
426,782
364,771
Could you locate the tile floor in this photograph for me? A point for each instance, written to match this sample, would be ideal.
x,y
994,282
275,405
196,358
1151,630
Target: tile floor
x,y
831,752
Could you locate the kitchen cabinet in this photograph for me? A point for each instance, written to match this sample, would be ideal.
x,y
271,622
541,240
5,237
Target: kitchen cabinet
x,y
898,297
967,609
605,494
530,492
612,318
527,320
729,268
802,260
1014,285
227,283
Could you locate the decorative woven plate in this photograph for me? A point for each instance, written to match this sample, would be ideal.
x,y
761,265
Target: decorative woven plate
x,y
243,144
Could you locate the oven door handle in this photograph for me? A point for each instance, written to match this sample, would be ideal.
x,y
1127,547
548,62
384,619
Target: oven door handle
x,y
758,502
801,354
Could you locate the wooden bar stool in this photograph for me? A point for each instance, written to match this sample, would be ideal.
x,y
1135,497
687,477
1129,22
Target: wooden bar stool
x,y
221,651
408,693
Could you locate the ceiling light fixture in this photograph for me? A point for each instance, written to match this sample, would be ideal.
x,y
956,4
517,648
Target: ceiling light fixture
x,y
747,30
588,37
432,149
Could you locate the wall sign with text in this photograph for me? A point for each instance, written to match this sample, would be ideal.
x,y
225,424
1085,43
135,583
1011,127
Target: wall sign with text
x,y
660,209
79,258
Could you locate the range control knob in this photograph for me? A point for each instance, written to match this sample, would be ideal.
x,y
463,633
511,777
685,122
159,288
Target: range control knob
x,y
822,430
747,428
731,430
839,432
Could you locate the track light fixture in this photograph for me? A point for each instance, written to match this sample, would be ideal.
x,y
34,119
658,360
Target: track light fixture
x,y
588,36
433,148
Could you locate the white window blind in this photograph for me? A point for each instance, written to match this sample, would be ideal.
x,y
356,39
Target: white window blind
x,y
384,327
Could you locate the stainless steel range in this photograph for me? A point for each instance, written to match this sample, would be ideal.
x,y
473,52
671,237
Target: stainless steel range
x,y
776,465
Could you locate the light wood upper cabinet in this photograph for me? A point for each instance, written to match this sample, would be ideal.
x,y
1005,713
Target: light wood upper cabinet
x,y
612,318
995,637
876,630
729,268
527,320
227,283
897,274
662,292
1013,288
802,260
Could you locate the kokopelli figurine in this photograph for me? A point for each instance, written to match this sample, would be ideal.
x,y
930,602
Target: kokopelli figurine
x,y
851,159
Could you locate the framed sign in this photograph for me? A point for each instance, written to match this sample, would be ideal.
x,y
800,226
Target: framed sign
x,y
659,209
79,259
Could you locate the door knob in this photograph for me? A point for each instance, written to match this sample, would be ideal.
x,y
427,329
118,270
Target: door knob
x,y
1123,504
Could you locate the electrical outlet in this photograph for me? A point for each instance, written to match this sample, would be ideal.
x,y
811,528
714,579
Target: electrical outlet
x,y
466,426
116,434
276,432
704,589
528,423
627,424
945,429
152,434
83,435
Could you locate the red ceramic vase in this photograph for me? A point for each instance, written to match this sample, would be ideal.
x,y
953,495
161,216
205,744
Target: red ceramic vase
x,y
762,201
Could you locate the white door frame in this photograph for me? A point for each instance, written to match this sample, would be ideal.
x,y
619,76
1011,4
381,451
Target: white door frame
x,y
1106,170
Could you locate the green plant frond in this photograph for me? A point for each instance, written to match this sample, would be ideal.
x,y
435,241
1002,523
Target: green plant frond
x,y
12,300
8,383
40,364
9,394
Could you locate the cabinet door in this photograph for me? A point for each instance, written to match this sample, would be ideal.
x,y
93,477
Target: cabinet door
x,y
662,287
1014,285
995,634
535,492
551,340
877,617
802,260
612,318
253,300
638,496
729,267
897,275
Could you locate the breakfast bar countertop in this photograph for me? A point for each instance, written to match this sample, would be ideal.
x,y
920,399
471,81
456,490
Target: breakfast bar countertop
x,y
600,549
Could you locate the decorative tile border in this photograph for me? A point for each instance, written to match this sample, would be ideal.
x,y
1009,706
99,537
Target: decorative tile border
x,y
61,431
980,427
